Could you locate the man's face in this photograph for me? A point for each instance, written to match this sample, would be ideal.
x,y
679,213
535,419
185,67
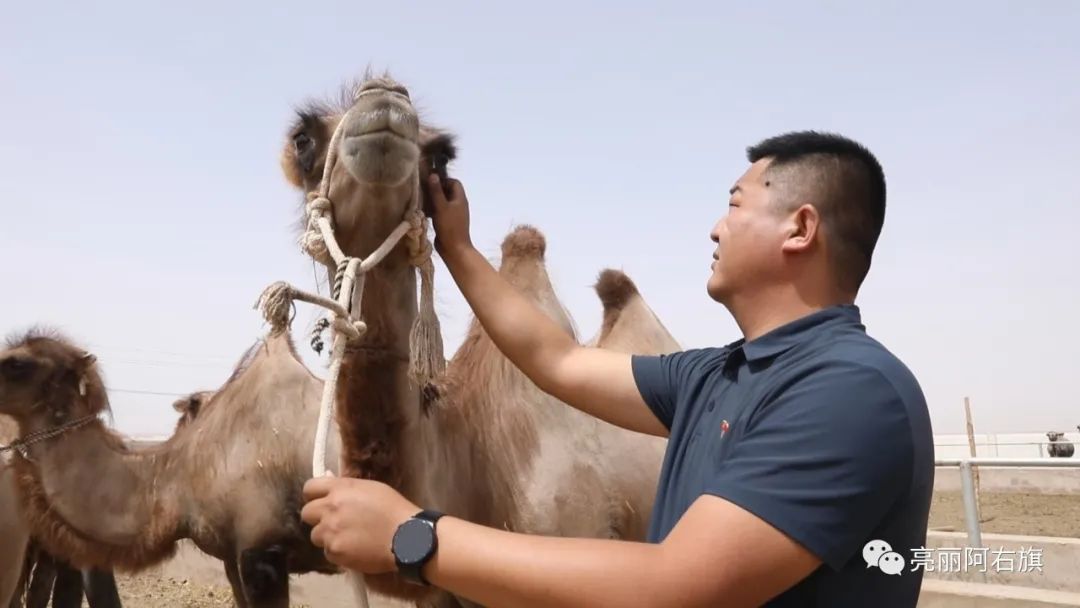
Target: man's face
x,y
748,239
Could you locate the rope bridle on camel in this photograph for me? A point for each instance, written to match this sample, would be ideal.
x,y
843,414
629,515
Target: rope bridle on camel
x,y
426,359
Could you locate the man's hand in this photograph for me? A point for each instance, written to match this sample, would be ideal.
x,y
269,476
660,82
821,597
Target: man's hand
x,y
355,520
450,215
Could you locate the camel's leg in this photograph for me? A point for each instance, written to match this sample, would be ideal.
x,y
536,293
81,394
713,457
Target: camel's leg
x,y
41,581
232,571
101,591
29,557
265,573
68,589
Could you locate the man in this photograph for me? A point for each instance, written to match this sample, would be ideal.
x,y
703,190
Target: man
x,y
800,462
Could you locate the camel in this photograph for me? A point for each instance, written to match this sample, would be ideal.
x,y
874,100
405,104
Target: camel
x,y
481,441
231,481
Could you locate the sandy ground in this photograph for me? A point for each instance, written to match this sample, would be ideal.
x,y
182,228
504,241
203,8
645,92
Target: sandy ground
x,y
192,580
1032,514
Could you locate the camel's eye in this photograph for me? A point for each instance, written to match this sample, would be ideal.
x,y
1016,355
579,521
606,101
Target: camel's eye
x,y
302,142
305,151
17,368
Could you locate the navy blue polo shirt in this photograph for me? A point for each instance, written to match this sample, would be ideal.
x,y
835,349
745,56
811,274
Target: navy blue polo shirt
x,y
817,429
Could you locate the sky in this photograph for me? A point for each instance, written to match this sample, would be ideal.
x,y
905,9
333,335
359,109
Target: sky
x,y
144,209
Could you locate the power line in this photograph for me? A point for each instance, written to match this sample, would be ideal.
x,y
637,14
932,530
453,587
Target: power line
x,y
153,363
141,392
158,352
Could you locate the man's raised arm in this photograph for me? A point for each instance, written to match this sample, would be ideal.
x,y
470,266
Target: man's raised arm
x,y
596,381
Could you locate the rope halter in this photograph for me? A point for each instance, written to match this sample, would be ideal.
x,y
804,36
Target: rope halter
x,y
22,444
426,360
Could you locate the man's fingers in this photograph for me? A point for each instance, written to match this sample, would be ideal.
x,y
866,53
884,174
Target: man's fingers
x,y
435,191
317,488
313,512
319,536
457,191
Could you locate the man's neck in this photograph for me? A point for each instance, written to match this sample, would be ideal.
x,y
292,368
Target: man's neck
x,y
762,313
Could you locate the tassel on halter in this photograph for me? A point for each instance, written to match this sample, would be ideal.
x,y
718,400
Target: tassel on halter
x,y
276,304
427,362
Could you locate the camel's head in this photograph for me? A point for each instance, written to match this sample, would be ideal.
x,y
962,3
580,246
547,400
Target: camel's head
x,y
381,154
189,407
43,376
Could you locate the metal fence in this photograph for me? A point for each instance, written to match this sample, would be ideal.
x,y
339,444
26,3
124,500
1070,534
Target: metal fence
x,y
967,484
1043,447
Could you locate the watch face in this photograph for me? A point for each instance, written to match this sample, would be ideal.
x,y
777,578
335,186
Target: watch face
x,y
413,541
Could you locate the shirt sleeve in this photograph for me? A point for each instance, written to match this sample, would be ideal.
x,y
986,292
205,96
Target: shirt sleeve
x,y
825,461
659,378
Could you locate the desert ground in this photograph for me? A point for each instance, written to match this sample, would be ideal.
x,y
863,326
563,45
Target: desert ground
x,y
1030,514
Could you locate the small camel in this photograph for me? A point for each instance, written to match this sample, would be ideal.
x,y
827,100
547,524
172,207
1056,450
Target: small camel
x,y
231,481
482,442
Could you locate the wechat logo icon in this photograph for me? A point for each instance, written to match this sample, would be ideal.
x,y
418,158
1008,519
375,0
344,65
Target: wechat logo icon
x,y
879,554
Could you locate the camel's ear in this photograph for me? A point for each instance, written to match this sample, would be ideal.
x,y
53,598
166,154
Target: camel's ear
x,y
437,149
86,361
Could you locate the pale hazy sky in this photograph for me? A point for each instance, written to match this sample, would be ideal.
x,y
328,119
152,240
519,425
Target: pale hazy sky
x,y
144,210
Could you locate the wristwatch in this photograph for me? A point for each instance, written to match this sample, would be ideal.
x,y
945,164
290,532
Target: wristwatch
x,y
414,545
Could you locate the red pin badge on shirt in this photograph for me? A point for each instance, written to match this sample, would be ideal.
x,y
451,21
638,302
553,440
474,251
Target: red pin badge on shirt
x,y
724,426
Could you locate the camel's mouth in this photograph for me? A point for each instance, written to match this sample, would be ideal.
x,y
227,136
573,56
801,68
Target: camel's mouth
x,y
387,120
379,138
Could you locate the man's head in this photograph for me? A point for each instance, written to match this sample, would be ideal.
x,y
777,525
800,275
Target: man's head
x,y
806,214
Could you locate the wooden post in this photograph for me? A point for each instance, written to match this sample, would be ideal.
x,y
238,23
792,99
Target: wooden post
x,y
971,446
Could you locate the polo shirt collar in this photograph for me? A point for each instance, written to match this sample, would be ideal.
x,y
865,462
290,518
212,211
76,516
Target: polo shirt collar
x,y
788,335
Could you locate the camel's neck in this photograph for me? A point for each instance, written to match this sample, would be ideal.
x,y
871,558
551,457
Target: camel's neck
x,y
376,401
93,500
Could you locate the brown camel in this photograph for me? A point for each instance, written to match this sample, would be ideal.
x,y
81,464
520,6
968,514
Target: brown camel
x,y
231,481
492,448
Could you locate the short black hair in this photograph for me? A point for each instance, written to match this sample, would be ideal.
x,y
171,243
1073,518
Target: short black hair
x,y
847,184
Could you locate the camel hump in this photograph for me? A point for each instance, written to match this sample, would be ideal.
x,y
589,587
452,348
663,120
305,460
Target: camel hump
x,y
615,289
524,242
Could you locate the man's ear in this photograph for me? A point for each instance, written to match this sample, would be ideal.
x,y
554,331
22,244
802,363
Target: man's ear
x,y
803,225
